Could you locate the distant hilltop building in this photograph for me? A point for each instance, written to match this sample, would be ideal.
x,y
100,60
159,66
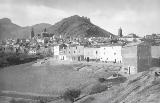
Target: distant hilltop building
x,y
86,18
120,32
130,37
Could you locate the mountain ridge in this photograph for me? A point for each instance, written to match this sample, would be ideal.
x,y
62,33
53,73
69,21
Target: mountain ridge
x,y
8,29
73,26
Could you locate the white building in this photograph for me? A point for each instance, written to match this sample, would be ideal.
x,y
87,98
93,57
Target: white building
x,y
60,52
40,40
131,37
111,53
56,51
92,53
32,51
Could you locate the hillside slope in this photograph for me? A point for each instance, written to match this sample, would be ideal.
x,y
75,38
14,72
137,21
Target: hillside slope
x,y
7,27
140,88
26,31
10,30
76,26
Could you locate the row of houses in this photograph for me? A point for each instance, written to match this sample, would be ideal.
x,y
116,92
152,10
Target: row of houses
x,y
105,53
135,57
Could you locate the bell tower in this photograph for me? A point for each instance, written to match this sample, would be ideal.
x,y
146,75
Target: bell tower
x,y
120,32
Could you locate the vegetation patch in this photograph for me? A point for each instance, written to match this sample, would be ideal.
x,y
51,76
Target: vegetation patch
x,y
98,88
71,95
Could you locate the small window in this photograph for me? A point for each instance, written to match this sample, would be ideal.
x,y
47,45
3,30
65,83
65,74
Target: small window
x,y
114,53
96,52
74,52
69,52
76,47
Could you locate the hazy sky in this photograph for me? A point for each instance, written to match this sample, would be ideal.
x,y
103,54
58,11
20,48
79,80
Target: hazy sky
x,y
133,16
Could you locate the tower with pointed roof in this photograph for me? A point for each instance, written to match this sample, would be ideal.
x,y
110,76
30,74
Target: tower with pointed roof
x,y
32,33
120,32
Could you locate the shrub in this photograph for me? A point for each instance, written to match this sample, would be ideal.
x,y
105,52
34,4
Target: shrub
x,y
71,95
101,80
42,99
18,101
12,100
98,88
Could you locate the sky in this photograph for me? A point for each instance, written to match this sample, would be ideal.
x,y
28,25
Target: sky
x,y
141,17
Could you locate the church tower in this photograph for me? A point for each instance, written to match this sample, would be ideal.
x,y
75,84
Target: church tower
x,y
32,33
120,32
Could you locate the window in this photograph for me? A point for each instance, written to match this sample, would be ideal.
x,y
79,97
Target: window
x,y
74,52
96,52
76,47
114,53
69,52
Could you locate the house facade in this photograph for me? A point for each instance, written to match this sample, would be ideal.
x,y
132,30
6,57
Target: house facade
x,y
155,54
136,58
59,53
111,53
75,52
56,51
92,53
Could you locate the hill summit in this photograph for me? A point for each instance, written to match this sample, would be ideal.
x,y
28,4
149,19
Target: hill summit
x,y
76,26
5,21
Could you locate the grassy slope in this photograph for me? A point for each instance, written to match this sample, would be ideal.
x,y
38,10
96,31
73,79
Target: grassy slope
x,y
140,88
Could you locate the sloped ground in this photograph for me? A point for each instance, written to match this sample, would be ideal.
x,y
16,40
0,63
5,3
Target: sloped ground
x,y
139,88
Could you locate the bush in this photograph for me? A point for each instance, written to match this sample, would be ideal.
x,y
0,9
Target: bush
x,y
98,88
42,99
101,80
71,95
12,101
18,101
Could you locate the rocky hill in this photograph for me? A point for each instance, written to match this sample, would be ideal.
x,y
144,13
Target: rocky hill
x,y
76,26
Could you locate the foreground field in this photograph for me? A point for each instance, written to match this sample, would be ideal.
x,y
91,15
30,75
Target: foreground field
x,y
47,78
50,78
